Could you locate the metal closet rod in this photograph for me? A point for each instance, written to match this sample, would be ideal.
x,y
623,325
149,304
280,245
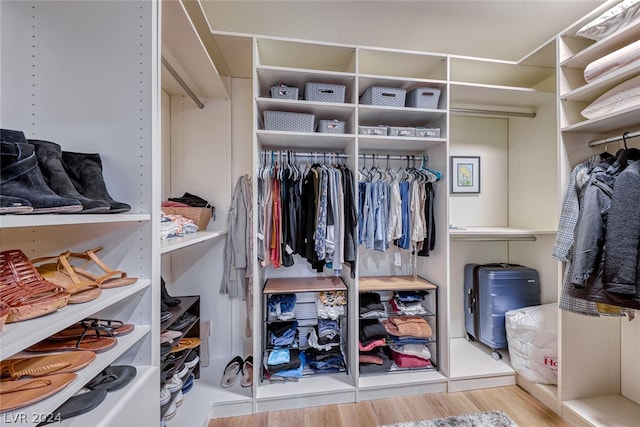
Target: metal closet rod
x,y
181,82
360,156
493,112
622,137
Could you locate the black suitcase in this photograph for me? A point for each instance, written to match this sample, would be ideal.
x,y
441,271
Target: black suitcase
x,y
490,291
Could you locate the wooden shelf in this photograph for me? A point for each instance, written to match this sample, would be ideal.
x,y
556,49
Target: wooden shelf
x,y
394,283
303,284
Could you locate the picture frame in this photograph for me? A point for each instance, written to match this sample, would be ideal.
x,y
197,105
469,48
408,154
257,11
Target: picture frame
x,y
465,175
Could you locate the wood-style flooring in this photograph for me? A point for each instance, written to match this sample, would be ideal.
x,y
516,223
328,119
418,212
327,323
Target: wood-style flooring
x,y
524,409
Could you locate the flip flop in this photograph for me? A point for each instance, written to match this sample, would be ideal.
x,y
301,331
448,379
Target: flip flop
x,y
62,274
247,372
96,345
230,374
112,378
20,393
79,404
94,328
183,321
111,278
186,343
37,366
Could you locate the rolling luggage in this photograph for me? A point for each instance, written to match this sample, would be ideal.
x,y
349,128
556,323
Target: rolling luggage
x,y
490,291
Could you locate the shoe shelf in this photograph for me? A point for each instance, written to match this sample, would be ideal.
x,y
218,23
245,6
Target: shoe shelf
x,y
188,304
103,415
86,374
43,220
175,243
17,336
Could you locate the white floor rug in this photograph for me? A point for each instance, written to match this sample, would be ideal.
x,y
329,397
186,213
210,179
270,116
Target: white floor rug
x,y
480,419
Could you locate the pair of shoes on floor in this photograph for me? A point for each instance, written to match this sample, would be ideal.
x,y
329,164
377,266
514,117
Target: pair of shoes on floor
x,y
235,367
37,174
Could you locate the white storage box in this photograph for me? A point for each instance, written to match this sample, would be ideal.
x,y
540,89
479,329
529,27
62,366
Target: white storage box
x,y
532,334
372,130
323,92
385,96
423,97
331,126
401,131
289,122
284,92
428,132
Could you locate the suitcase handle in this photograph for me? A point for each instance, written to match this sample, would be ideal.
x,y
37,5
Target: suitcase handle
x,y
471,301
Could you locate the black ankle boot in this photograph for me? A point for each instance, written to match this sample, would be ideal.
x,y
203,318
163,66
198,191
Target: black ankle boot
x,y
20,177
85,171
53,170
166,298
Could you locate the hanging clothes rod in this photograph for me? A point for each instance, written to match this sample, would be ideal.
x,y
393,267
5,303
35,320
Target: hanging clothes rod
x,y
360,156
492,112
181,82
622,137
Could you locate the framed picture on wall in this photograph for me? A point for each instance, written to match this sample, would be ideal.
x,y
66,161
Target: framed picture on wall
x,y
465,174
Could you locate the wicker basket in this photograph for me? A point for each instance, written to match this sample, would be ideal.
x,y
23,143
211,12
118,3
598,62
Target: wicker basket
x,y
201,216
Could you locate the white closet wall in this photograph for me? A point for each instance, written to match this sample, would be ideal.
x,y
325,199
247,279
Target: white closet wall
x,y
67,77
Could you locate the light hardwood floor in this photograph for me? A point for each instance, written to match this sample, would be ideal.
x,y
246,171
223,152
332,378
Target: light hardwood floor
x,y
524,409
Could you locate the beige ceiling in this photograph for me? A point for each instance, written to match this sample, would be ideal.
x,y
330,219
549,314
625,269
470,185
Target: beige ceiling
x,y
500,29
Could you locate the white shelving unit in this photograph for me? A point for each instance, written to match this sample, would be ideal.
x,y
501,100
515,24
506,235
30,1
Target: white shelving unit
x,y
196,156
68,77
106,91
603,388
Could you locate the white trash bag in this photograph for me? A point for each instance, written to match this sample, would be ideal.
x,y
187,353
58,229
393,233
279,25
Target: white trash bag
x,y
532,334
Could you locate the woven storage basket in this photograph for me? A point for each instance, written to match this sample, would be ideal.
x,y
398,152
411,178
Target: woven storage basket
x,y
289,122
331,126
423,97
201,216
373,130
25,291
385,96
324,92
284,92
401,131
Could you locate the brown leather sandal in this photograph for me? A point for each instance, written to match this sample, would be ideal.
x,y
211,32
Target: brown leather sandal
x,y
111,278
92,327
20,393
37,366
95,344
62,273
25,291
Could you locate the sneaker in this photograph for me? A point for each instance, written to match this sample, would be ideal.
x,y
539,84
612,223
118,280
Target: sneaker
x,y
165,396
188,384
174,384
192,360
184,370
178,398
171,412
